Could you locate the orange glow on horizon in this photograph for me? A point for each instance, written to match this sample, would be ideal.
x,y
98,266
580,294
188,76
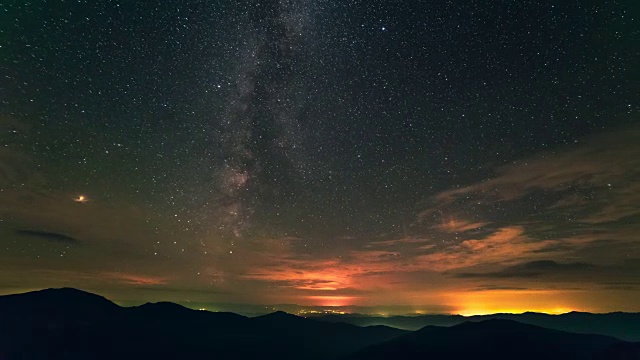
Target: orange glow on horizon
x,y
513,302
517,310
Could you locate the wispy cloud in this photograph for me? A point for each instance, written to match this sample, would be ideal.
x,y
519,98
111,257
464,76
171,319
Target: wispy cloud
x,y
47,235
598,177
135,279
536,269
455,226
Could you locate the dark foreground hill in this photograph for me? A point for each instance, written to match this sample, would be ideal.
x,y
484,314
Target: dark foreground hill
x,y
625,326
72,324
496,339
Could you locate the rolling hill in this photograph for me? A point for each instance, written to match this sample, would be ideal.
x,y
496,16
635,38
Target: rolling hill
x,y
73,324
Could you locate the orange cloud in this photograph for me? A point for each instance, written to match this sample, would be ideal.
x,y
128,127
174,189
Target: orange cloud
x,y
454,225
134,279
369,269
507,245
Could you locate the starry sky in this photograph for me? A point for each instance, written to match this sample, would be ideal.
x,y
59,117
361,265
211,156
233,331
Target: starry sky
x,y
438,156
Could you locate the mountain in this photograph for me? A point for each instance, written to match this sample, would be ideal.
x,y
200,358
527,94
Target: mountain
x,y
73,324
63,302
409,322
325,338
624,326
490,339
47,319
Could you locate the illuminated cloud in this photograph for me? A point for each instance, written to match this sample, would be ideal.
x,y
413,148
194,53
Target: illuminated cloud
x,y
573,206
596,177
455,226
135,279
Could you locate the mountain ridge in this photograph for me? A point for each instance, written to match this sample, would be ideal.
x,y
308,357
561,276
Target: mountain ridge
x,y
79,325
74,324
622,325
491,339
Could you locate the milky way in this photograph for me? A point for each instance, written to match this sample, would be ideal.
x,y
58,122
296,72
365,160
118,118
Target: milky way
x,y
263,138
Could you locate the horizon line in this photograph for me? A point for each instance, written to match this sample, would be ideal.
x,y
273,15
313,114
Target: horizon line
x,y
331,307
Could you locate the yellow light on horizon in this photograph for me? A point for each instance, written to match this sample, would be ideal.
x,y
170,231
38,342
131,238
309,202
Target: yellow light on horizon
x,y
552,302
490,311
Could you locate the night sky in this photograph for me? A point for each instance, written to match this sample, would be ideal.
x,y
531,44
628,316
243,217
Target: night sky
x,y
439,156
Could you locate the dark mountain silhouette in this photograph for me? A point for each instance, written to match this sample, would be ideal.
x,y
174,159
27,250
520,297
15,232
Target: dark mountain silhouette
x,y
489,339
73,324
625,326
65,301
52,320
280,318
401,322
331,338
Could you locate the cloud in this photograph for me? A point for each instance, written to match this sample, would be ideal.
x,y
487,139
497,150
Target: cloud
x,y
491,287
576,204
135,279
535,269
105,228
505,245
410,265
316,275
378,267
598,177
47,235
455,226
102,281
545,273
